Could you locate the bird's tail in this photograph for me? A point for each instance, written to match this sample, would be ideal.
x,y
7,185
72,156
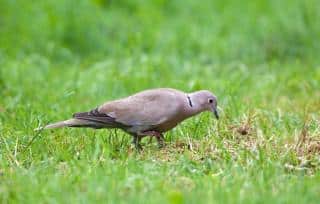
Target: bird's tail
x,y
71,123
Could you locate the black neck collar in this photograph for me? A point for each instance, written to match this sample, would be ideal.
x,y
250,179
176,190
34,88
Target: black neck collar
x,y
189,100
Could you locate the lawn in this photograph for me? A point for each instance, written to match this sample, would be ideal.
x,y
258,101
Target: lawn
x,y
261,59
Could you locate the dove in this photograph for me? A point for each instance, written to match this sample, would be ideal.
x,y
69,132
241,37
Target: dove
x,y
147,113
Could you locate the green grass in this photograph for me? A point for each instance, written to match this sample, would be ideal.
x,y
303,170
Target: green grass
x,y
261,58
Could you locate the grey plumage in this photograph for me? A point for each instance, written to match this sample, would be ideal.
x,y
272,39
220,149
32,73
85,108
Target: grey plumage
x,y
147,113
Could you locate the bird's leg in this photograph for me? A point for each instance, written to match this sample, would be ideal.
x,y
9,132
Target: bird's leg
x,y
160,140
136,142
158,135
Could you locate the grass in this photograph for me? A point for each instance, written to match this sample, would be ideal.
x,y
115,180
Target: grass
x,y
260,58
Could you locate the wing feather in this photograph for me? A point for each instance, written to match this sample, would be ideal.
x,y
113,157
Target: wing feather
x,y
148,108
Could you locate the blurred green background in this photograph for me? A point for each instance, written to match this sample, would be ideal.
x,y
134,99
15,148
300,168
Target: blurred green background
x,y
261,58
212,31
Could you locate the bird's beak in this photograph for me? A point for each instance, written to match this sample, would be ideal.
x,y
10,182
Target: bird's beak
x,y
215,112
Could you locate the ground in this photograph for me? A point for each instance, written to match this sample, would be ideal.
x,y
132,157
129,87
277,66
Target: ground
x,y
261,59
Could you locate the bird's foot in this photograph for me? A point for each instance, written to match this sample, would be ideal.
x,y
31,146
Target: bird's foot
x,y
157,135
136,143
138,147
161,145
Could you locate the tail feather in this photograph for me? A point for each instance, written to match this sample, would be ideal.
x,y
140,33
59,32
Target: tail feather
x,y
72,123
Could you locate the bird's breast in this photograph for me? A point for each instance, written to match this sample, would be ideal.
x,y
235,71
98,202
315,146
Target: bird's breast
x,y
168,125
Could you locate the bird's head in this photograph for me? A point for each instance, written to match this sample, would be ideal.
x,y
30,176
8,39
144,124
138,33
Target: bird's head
x,y
204,101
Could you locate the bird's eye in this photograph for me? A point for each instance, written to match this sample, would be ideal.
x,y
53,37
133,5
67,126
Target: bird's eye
x,y
210,100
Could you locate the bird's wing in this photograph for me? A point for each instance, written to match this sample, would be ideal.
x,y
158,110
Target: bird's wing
x,y
101,119
147,108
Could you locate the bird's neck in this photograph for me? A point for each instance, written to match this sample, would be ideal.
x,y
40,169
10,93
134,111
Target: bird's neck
x,y
193,104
